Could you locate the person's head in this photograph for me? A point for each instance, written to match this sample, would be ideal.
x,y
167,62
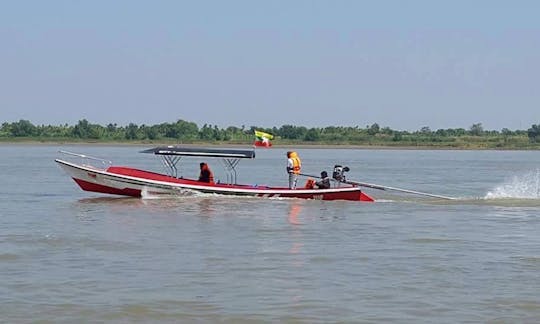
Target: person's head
x,y
324,174
289,154
202,165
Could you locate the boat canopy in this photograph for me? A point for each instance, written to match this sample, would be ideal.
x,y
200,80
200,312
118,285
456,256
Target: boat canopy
x,y
202,151
171,155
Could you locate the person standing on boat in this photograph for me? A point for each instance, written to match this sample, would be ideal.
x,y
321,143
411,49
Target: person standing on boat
x,y
294,165
206,175
324,183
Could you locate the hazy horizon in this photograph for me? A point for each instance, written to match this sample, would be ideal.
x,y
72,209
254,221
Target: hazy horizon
x,y
403,65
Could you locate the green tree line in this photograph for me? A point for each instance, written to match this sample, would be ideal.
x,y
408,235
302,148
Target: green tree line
x,y
183,131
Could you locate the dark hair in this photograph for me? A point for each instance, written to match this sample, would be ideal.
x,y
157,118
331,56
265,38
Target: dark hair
x,y
202,164
324,174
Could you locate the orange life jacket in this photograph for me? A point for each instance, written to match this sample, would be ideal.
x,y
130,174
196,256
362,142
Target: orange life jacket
x,y
297,164
310,184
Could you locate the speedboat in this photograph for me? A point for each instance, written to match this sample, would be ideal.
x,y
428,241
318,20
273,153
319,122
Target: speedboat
x,y
100,175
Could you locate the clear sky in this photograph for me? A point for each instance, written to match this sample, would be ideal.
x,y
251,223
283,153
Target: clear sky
x,y
401,64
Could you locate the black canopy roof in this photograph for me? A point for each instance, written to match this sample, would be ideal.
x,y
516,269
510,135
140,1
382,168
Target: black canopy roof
x,y
202,151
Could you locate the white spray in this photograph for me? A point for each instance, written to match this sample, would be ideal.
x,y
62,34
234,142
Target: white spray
x,y
525,186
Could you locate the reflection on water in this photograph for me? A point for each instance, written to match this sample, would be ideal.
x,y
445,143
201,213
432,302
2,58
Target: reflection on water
x,y
294,210
206,205
111,200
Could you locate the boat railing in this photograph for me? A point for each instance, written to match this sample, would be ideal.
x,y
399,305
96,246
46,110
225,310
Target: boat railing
x,y
88,160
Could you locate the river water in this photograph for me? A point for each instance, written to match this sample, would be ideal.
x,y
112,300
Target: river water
x,y
70,256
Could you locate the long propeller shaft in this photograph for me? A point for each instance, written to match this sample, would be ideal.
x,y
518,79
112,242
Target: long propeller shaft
x,y
381,187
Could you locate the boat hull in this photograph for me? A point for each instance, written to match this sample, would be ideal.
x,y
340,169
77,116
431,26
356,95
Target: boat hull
x,y
117,180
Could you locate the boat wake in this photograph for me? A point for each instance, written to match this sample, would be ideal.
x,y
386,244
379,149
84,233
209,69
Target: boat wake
x,y
526,186
148,194
521,190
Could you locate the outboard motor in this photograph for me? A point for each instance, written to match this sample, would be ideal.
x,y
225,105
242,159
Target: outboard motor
x,y
339,172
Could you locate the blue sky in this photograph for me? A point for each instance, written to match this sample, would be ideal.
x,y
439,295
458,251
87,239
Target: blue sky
x,y
401,64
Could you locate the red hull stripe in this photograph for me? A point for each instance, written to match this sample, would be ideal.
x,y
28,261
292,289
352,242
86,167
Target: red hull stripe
x,y
89,186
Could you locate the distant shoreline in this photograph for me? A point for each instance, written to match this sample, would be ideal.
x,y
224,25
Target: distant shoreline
x,y
275,146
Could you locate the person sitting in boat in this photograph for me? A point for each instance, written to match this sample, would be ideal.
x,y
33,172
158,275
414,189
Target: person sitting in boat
x,y
293,168
324,183
206,175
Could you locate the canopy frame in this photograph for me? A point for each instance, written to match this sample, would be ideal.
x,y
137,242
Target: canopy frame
x,y
171,156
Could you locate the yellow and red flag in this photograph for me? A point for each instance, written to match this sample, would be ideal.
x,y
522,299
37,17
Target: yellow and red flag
x,y
263,139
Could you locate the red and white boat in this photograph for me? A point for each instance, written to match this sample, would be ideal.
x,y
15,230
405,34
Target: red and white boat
x,y
98,175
